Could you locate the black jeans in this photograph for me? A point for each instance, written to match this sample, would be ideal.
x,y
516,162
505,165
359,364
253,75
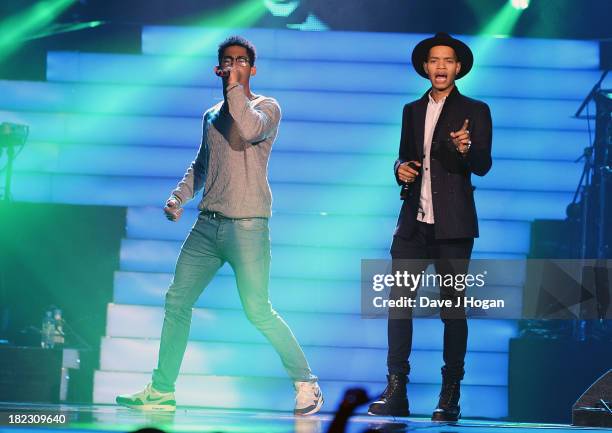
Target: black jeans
x,y
423,246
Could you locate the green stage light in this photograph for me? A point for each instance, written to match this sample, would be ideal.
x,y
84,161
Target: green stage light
x,y
242,15
503,22
56,29
498,27
281,8
520,4
20,27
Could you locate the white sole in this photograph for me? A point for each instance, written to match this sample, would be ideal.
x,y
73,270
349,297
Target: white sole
x,y
151,407
313,411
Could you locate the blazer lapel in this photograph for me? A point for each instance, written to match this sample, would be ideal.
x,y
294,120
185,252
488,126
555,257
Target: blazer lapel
x,y
448,108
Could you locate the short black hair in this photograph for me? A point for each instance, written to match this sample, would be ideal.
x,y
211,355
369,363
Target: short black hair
x,y
241,42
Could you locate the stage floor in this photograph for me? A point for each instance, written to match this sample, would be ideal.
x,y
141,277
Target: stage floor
x,y
103,418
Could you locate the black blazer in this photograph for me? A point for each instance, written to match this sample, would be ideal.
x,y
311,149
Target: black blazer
x,y
451,186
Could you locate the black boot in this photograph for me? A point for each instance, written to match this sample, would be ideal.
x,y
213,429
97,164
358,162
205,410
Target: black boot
x,y
394,400
448,405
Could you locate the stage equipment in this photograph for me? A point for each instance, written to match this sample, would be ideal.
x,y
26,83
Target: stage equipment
x,y
593,408
12,138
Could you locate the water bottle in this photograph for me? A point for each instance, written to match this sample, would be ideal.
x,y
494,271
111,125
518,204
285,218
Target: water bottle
x,y
58,335
47,332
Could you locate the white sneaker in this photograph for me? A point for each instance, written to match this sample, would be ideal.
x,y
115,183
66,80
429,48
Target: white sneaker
x,y
148,399
308,398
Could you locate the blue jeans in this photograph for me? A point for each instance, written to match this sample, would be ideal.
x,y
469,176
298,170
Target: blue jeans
x,y
245,245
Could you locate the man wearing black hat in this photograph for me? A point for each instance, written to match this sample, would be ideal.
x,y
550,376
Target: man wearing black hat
x,y
445,138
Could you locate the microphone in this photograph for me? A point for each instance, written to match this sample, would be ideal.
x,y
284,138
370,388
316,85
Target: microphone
x,y
406,186
223,73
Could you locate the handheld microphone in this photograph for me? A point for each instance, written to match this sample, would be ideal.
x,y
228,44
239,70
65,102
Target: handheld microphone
x,y
223,73
406,186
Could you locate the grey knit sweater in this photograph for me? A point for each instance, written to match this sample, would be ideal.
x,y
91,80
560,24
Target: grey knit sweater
x,y
232,162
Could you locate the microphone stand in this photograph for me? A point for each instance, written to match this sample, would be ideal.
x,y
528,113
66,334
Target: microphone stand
x,y
585,190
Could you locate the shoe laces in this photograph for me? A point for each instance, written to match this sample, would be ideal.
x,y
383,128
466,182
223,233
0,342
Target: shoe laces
x,y
449,389
449,386
392,385
149,390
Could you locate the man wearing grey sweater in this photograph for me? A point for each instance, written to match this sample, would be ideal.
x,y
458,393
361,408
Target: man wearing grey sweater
x,y
231,167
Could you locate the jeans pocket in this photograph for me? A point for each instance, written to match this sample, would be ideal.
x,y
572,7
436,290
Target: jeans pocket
x,y
252,224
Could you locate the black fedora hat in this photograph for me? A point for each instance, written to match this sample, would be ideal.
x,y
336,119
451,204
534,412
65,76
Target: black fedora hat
x,y
463,52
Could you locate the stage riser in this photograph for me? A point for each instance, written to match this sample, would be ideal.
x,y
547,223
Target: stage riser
x,y
327,230
359,364
367,47
311,198
287,261
277,394
331,169
281,74
339,107
65,129
287,294
135,321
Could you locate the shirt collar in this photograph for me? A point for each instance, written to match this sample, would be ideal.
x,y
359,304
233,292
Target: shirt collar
x,y
433,101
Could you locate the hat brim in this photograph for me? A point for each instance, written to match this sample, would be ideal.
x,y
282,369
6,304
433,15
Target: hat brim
x,y
463,52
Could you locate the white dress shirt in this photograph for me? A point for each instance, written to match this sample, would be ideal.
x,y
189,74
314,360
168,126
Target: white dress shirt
x,y
434,109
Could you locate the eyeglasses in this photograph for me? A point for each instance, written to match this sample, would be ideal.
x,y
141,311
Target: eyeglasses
x,y
229,61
